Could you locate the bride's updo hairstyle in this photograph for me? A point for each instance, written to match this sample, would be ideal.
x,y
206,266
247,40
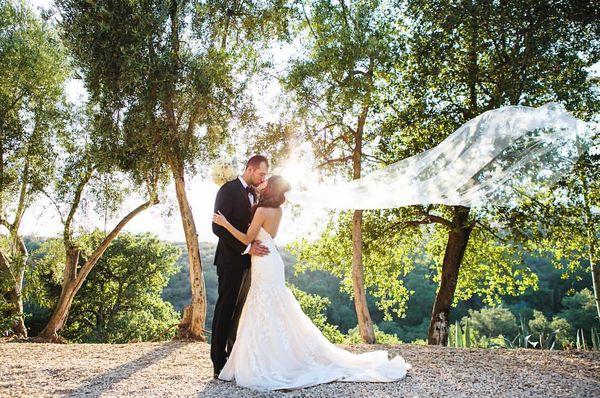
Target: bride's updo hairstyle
x,y
274,193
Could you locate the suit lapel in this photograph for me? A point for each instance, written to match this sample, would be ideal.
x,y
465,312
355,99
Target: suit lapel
x,y
244,193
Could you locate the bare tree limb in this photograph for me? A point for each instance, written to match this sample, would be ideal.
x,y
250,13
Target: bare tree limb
x,y
332,161
490,231
75,204
99,251
58,210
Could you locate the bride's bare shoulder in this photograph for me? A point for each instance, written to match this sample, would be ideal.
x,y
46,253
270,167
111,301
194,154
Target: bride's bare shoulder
x,y
269,212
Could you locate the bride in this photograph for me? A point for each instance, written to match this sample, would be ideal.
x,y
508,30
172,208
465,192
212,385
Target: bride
x,y
277,345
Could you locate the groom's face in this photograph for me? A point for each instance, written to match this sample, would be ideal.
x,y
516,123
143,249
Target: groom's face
x,y
259,174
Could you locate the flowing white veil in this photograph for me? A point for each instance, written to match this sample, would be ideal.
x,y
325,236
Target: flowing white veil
x,y
491,158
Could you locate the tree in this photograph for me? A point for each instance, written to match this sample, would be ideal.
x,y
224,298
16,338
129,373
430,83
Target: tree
x,y
120,300
388,258
350,48
579,311
173,74
466,57
570,233
545,332
94,167
33,69
492,322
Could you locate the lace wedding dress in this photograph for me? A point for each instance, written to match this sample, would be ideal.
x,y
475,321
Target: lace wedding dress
x,y
278,347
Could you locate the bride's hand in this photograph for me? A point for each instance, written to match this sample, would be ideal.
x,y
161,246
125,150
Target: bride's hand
x,y
219,219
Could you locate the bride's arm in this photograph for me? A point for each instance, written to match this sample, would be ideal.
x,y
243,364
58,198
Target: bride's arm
x,y
248,237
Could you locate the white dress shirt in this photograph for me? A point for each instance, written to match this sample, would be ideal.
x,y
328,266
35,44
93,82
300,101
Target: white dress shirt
x,y
251,199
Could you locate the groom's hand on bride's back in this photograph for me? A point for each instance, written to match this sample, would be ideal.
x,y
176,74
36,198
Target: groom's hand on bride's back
x,y
256,249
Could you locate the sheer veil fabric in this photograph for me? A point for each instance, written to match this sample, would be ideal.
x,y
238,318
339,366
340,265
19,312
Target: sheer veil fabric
x,y
488,159
491,158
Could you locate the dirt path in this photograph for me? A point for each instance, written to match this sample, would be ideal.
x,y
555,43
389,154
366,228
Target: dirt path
x,y
183,369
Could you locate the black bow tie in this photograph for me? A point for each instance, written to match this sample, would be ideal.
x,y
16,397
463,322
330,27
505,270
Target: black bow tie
x,y
250,190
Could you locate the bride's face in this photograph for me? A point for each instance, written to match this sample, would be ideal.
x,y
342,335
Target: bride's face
x,y
262,185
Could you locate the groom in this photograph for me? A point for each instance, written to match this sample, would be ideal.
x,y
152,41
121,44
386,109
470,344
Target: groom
x,y
232,258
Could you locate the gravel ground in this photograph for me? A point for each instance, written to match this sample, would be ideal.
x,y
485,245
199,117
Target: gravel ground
x,y
183,369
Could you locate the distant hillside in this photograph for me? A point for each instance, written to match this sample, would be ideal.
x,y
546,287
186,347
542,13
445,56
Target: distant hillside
x,y
548,298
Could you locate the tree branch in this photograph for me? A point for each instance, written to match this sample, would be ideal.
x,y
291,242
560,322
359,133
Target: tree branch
x,y
95,256
490,231
434,218
58,210
75,204
332,161
5,263
309,24
21,205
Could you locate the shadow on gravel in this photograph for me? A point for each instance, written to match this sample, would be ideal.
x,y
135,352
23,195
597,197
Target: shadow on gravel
x,y
97,385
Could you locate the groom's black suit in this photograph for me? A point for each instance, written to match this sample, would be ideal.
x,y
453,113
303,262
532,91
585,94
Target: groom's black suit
x,y
232,269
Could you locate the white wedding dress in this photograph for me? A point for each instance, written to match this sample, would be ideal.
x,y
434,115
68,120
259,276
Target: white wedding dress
x,y
278,347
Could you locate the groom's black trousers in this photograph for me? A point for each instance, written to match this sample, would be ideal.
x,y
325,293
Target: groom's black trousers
x,y
234,283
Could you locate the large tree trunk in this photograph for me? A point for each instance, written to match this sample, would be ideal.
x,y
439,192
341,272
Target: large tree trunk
x,y
13,270
13,266
365,323
458,238
194,315
73,280
61,311
15,300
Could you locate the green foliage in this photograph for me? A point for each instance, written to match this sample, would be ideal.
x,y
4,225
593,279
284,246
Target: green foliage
x,y
153,319
553,285
492,322
174,73
350,47
464,336
563,332
178,291
381,337
419,342
33,69
546,332
32,72
335,85
579,310
386,260
7,314
594,338
490,268
120,299
339,312
453,68
463,58
44,277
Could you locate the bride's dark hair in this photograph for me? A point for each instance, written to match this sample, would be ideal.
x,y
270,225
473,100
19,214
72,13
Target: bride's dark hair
x,y
274,193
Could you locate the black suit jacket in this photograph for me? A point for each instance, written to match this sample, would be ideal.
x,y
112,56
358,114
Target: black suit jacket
x,y
232,201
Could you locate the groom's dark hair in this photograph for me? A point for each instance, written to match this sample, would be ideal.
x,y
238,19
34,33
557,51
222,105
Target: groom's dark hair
x,y
256,160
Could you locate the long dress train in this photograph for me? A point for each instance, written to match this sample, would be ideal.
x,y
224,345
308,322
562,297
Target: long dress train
x,y
278,347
